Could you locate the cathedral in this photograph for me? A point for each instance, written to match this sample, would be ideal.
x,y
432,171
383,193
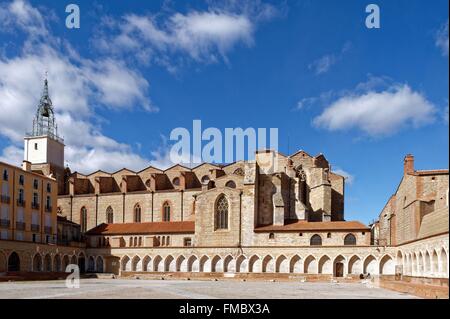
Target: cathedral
x,y
278,215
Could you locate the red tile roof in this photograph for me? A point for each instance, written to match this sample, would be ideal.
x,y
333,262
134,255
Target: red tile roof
x,y
185,227
298,225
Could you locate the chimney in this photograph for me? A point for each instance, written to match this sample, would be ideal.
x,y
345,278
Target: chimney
x,y
408,164
26,166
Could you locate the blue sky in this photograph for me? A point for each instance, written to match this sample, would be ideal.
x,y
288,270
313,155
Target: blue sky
x,y
135,70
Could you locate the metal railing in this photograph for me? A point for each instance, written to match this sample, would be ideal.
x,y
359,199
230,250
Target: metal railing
x,y
35,205
4,223
35,227
20,225
5,199
20,202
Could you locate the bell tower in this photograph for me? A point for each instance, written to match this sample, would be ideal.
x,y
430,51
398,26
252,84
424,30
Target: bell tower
x,y
43,147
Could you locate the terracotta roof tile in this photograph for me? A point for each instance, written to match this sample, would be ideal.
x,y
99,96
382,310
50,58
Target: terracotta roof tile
x,y
297,225
185,227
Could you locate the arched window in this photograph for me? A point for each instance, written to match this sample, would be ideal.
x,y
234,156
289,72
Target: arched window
x,y
329,235
316,240
163,241
271,236
221,214
166,212
230,184
83,219
137,213
350,239
167,241
5,175
109,215
176,181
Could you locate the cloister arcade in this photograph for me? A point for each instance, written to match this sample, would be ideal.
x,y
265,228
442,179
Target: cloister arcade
x,y
432,264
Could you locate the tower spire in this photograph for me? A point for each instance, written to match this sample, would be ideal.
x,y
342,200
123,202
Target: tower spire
x,y
44,122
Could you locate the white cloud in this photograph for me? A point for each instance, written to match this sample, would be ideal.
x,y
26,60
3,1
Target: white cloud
x,y
377,113
77,87
20,14
306,102
349,178
442,39
203,36
13,155
324,64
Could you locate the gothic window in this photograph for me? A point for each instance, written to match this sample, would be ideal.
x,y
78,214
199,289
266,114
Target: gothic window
x,y
230,184
176,181
350,239
137,213
109,215
83,219
166,212
316,240
221,214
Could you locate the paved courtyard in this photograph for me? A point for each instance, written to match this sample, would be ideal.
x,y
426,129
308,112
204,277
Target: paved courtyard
x,y
174,289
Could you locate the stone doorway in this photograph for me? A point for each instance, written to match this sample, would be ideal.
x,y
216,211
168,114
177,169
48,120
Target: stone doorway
x,y
339,269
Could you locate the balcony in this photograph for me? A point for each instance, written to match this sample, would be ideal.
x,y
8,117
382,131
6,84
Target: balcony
x,y
48,229
4,223
34,205
35,227
5,199
48,209
20,225
20,202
